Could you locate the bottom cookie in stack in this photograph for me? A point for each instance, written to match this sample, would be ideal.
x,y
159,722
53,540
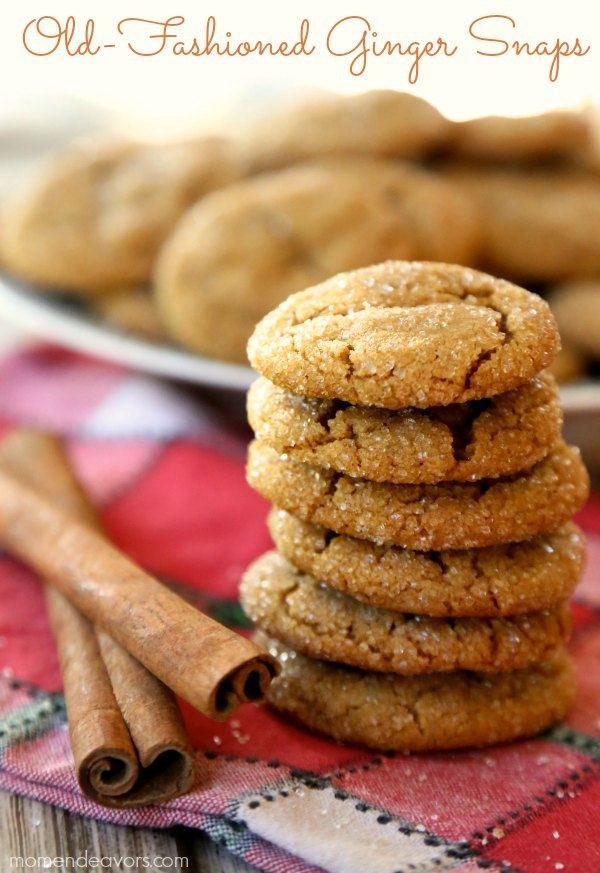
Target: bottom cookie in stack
x,y
392,680
418,713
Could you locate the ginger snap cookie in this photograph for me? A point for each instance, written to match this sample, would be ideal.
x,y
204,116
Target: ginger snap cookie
x,y
560,135
569,365
483,438
498,580
243,250
322,623
378,123
131,310
94,218
576,306
406,334
420,713
448,515
537,225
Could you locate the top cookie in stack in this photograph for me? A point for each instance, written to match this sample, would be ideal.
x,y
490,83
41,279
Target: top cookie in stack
x,y
410,440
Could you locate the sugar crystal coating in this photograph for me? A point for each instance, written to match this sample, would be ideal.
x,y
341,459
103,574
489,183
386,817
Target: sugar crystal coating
x,y
410,443
462,442
406,334
239,253
323,623
448,515
419,713
497,580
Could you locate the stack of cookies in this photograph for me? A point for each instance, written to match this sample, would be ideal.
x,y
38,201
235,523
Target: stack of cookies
x,y
410,442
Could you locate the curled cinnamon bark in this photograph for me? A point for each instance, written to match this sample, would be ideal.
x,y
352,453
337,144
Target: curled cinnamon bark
x,y
129,742
145,631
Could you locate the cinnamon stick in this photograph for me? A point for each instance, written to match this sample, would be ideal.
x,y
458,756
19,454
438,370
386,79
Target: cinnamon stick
x,y
203,662
129,743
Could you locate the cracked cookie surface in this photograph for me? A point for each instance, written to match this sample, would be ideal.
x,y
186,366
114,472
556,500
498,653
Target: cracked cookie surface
x,y
323,623
497,580
404,334
449,515
239,253
484,438
420,713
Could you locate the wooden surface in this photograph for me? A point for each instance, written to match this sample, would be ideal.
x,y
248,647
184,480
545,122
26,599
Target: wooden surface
x,y
30,829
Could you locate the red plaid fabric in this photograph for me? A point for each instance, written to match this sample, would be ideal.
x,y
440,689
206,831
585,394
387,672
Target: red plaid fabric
x,y
168,474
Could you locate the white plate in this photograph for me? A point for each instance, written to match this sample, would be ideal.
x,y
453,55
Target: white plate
x,y
71,325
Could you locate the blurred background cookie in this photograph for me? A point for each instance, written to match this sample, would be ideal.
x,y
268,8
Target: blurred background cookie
x,y
537,225
568,366
222,227
576,306
532,138
131,310
379,123
94,218
243,250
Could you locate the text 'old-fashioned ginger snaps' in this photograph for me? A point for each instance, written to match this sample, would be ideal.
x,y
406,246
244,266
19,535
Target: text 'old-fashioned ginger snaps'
x,y
424,712
480,439
498,580
323,623
447,515
406,334
239,253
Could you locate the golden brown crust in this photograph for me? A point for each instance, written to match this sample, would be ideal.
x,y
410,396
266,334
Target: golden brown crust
x,y
406,334
243,250
497,580
420,713
94,218
537,225
448,515
383,123
463,442
323,623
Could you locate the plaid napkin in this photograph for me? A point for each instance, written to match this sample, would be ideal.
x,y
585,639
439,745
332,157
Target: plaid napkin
x,y
168,474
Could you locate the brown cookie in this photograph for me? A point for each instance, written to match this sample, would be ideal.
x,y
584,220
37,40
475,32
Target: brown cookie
x,y
243,250
406,334
484,438
550,136
448,515
420,713
94,218
568,366
576,306
377,123
132,311
323,623
537,225
497,580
